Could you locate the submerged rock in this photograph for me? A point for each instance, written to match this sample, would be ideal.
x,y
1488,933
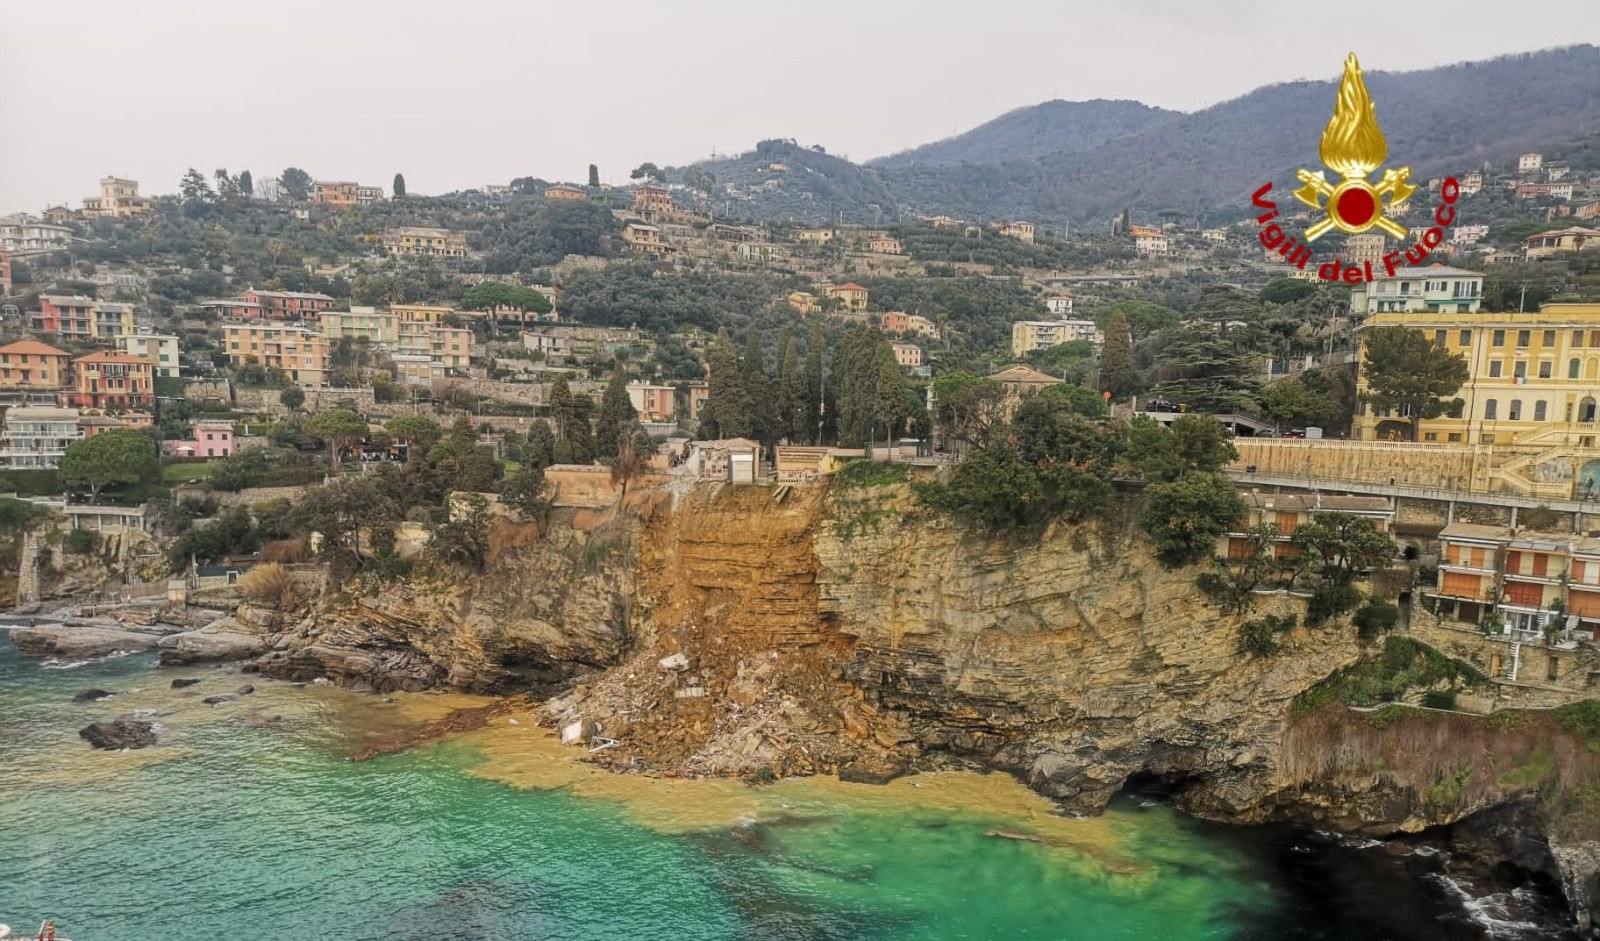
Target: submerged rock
x,y
78,642
120,734
219,699
215,643
91,695
182,683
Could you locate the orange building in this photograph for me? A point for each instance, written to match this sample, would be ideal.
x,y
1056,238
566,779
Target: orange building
x,y
113,380
337,195
652,199
29,364
563,191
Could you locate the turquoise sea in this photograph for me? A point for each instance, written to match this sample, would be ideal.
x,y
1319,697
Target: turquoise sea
x,y
248,822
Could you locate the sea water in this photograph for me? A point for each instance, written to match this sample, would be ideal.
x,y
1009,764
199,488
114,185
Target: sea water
x,y
248,821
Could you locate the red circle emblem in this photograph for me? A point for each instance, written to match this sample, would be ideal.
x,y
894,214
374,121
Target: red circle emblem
x,y
1357,207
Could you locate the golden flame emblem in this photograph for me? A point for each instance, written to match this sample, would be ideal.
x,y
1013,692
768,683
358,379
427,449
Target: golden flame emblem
x,y
1353,146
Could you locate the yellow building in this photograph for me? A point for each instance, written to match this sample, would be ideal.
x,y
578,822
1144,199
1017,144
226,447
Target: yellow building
x,y
119,199
853,295
1561,240
1533,377
302,354
380,328
645,239
1359,249
1022,231
425,240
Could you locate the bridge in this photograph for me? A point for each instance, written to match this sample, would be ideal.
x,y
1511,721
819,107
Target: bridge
x,y
1398,491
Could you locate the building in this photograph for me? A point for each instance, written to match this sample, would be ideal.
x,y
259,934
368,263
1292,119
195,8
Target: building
x,y
1143,231
884,245
649,198
208,439
1468,234
699,394
563,191
75,317
381,329
1574,239
558,342
852,295
36,436
645,239
113,380
1022,231
425,240
1287,512
1023,380
759,252
367,195
28,365
118,199
904,324
111,320
942,222
5,273
451,347
1434,288
271,305
1153,246
21,234
1214,236
1530,163
1534,584
301,354
339,195
1365,249
1532,377
907,354
1028,336
815,236
1548,190
803,302
160,349
1059,304
655,403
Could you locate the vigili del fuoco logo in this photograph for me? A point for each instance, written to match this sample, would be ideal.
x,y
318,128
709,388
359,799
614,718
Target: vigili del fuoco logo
x,y
1353,146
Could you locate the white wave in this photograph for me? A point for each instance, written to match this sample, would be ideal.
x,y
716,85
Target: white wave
x,y
1489,912
54,664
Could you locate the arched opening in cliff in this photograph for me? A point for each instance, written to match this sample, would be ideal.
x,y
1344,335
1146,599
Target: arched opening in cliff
x,y
1164,786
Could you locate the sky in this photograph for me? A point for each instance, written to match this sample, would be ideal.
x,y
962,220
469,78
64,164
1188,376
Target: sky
x,y
460,93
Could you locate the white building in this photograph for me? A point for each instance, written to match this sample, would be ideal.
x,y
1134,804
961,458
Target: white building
x,y
22,234
158,348
1468,234
1059,304
1153,246
1436,289
36,436
1530,163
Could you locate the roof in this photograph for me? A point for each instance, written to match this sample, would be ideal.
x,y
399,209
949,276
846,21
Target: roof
x,y
1476,532
1433,270
1311,502
847,286
1573,230
114,356
41,413
1024,374
71,299
34,347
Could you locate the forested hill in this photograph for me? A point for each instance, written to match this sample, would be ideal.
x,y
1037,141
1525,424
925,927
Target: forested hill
x,y
1042,130
1084,162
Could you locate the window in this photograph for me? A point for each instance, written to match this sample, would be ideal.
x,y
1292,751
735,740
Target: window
x,y
1572,369
1489,409
1438,338
1586,409
1549,338
1577,338
1524,337
1498,338
1520,370
1455,436
1546,367
1514,410
1495,368
1538,410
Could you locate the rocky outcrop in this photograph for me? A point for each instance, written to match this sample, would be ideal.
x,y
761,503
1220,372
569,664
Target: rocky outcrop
x,y
222,641
80,642
120,734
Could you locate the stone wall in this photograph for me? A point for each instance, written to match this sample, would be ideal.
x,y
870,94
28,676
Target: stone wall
x,y
1532,470
201,390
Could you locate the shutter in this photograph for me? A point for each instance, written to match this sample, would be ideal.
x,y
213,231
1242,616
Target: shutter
x,y
1541,564
1585,604
1525,593
1462,585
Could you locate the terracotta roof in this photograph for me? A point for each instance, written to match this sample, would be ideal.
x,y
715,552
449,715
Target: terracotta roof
x,y
1024,374
848,286
33,347
111,357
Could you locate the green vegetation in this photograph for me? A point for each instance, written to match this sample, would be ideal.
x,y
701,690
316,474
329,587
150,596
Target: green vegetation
x,y
1404,666
1408,373
81,541
488,295
115,457
1187,516
864,473
179,472
1262,637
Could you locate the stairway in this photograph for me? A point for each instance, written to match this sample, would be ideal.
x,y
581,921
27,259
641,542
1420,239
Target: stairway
x,y
1516,661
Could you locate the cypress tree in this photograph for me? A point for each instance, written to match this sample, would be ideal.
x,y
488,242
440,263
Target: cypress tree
x,y
727,410
757,388
594,176
791,424
561,406
399,186
813,401
1117,373
616,418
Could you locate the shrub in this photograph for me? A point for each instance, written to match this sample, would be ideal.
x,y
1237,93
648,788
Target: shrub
x,y
1260,637
81,541
288,551
1329,601
1186,517
269,583
1439,699
1377,616
865,473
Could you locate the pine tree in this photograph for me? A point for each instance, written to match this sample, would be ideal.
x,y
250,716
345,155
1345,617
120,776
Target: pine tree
x,y
727,410
1117,373
594,176
399,186
616,419
194,187
791,424
561,406
813,379
757,388
539,450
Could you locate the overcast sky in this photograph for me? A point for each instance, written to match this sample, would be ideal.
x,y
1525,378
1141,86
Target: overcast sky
x,y
458,93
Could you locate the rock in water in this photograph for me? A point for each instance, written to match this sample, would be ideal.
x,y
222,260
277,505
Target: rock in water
x,y
123,733
220,699
91,695
244,690
78,642
212,644
184,684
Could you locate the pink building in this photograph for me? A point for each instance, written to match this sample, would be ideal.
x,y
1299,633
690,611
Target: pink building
x,y
209,439
288,305
652,402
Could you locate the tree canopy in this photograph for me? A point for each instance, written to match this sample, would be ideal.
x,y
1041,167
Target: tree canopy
x,y
488,295
118,456
1408,373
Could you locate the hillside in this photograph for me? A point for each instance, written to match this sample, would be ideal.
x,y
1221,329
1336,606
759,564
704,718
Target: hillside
x,y
1083,162
1042,130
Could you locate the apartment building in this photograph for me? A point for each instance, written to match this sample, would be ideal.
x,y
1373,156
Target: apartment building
x,y
904,324
1365,249
1534,585
1434,288
1285,513
36,436
113,380
31,366
645,239
75,317
160,349
654,403
379,328
419,241
1571,239
300,353
1028,336
907,354
1532,377
21,234
336,195
652,199
853,295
